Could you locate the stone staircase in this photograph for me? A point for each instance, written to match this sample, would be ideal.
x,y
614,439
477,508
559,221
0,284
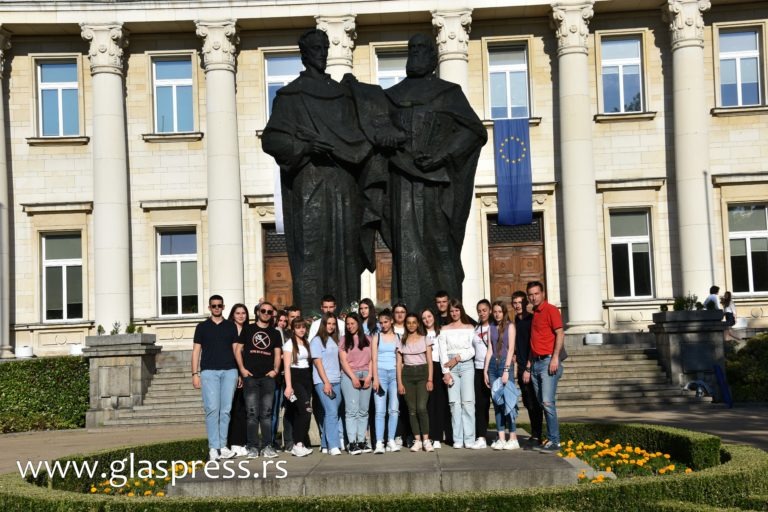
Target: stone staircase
x,y
595,377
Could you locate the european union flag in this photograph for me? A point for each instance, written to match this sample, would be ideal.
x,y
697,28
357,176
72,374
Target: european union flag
x,y
512,147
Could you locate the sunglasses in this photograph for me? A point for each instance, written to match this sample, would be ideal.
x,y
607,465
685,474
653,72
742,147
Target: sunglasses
x,y
216,306
267,311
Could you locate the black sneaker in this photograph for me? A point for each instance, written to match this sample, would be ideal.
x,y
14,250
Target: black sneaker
x,y
549,447
366,446
355,448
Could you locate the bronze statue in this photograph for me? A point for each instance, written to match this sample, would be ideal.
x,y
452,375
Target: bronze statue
x,y
314,136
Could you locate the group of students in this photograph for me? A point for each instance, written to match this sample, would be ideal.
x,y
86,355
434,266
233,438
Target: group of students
x,y
428,377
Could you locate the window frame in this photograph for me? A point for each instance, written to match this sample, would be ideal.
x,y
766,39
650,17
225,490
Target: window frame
x,y
63,264
747,236
281,79
629,241
388,50
37,86
758,26
151,107
177,259
507,69
645,96
174,83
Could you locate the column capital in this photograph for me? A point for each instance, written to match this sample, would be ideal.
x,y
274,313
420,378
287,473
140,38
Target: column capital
x,y
107,41
452,27
5,45
686,21
570,20
342,33
220,40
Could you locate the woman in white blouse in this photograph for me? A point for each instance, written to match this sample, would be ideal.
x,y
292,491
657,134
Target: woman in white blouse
x,y
456,359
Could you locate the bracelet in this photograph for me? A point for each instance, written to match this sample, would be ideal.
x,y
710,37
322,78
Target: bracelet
x,y
506,370
195,373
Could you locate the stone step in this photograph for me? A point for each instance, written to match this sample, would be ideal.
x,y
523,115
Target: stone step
x,y
607,374
162,392
593,403
172,379
156,419
565,395
612,364
151,411
616,385
161,402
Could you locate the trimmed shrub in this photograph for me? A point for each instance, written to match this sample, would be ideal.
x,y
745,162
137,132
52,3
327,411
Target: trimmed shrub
x,y
43,393
747,371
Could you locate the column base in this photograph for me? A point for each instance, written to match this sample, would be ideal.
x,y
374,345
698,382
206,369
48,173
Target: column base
x,y
585,327
7,353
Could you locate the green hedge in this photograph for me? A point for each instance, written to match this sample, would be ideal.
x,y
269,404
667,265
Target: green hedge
x,y
43,393
744,475
740,481
747,371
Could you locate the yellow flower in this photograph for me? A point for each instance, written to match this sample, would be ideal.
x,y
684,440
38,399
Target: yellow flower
x,y
93,489
160,493
688,470
570,443
609,469
147,493
151,483
582,476
107,490
666,456
671,467
130,494
607,441
662,471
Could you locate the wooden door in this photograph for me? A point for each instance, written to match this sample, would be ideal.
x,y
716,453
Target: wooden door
x,y
515,256
278,285
383,272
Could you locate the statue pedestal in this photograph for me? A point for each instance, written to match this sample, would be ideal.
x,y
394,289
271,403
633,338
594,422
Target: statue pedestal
x,y
121,369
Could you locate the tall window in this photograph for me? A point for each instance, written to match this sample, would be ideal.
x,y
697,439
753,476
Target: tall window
x,y
281,69
622,75
508,79
62,277
748,233
390,68
172,78
178,272
739,68
631,255
57,98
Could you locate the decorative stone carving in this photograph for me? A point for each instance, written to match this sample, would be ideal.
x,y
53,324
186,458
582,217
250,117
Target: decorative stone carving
x,y
452,29
341,34
106,49
686,21
571,23
5,45
220,40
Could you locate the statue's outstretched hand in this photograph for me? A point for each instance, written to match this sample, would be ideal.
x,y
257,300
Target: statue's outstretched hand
x,y
428,162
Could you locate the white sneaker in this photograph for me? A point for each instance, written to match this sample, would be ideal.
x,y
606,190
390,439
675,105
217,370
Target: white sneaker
x,y
399,441
226,453
428,446
299,450
512,444
213,454
379,447
479,444
392,446
416,446
342,445
436,445
458,445
324,450
498,444
335,451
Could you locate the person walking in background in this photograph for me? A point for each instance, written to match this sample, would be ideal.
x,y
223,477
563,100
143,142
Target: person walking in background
x,y
482,392
259,363
498,365
729,308
237,436
712,301
214,369
456,358
356,380
298,385
522,354
414,378
326,375
383,349
437,405
544,367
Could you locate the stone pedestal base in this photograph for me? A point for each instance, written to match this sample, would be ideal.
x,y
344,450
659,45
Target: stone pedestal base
x,y
690,344
121,369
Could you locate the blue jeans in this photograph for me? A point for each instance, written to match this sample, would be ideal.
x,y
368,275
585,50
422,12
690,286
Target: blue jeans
x,y
461,397
329,435
387,396
495,371
545,386
277,403
218,389
356,403
259,393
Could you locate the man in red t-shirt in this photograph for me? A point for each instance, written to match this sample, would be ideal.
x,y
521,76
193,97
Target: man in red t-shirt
x,y
544,368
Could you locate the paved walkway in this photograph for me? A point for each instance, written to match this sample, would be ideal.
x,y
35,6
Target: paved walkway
x,y
742,424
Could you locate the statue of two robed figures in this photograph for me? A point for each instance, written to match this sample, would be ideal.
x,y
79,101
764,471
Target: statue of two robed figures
x,y
356,159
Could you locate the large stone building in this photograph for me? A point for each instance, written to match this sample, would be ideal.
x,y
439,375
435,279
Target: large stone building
x,y
134,183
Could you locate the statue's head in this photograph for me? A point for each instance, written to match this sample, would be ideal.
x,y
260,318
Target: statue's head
x,y
313,45
422,56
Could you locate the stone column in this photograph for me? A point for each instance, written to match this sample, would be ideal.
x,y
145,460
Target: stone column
x,y
342,35
111,243
225,210
686,25
5,226
582,255
452,27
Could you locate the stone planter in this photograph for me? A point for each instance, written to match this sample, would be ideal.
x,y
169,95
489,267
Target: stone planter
x,y
121,369
690,344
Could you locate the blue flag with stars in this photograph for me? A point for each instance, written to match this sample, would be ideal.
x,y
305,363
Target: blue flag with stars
x,y
512,147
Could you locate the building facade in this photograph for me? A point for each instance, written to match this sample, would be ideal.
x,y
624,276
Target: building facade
x,y
134,183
